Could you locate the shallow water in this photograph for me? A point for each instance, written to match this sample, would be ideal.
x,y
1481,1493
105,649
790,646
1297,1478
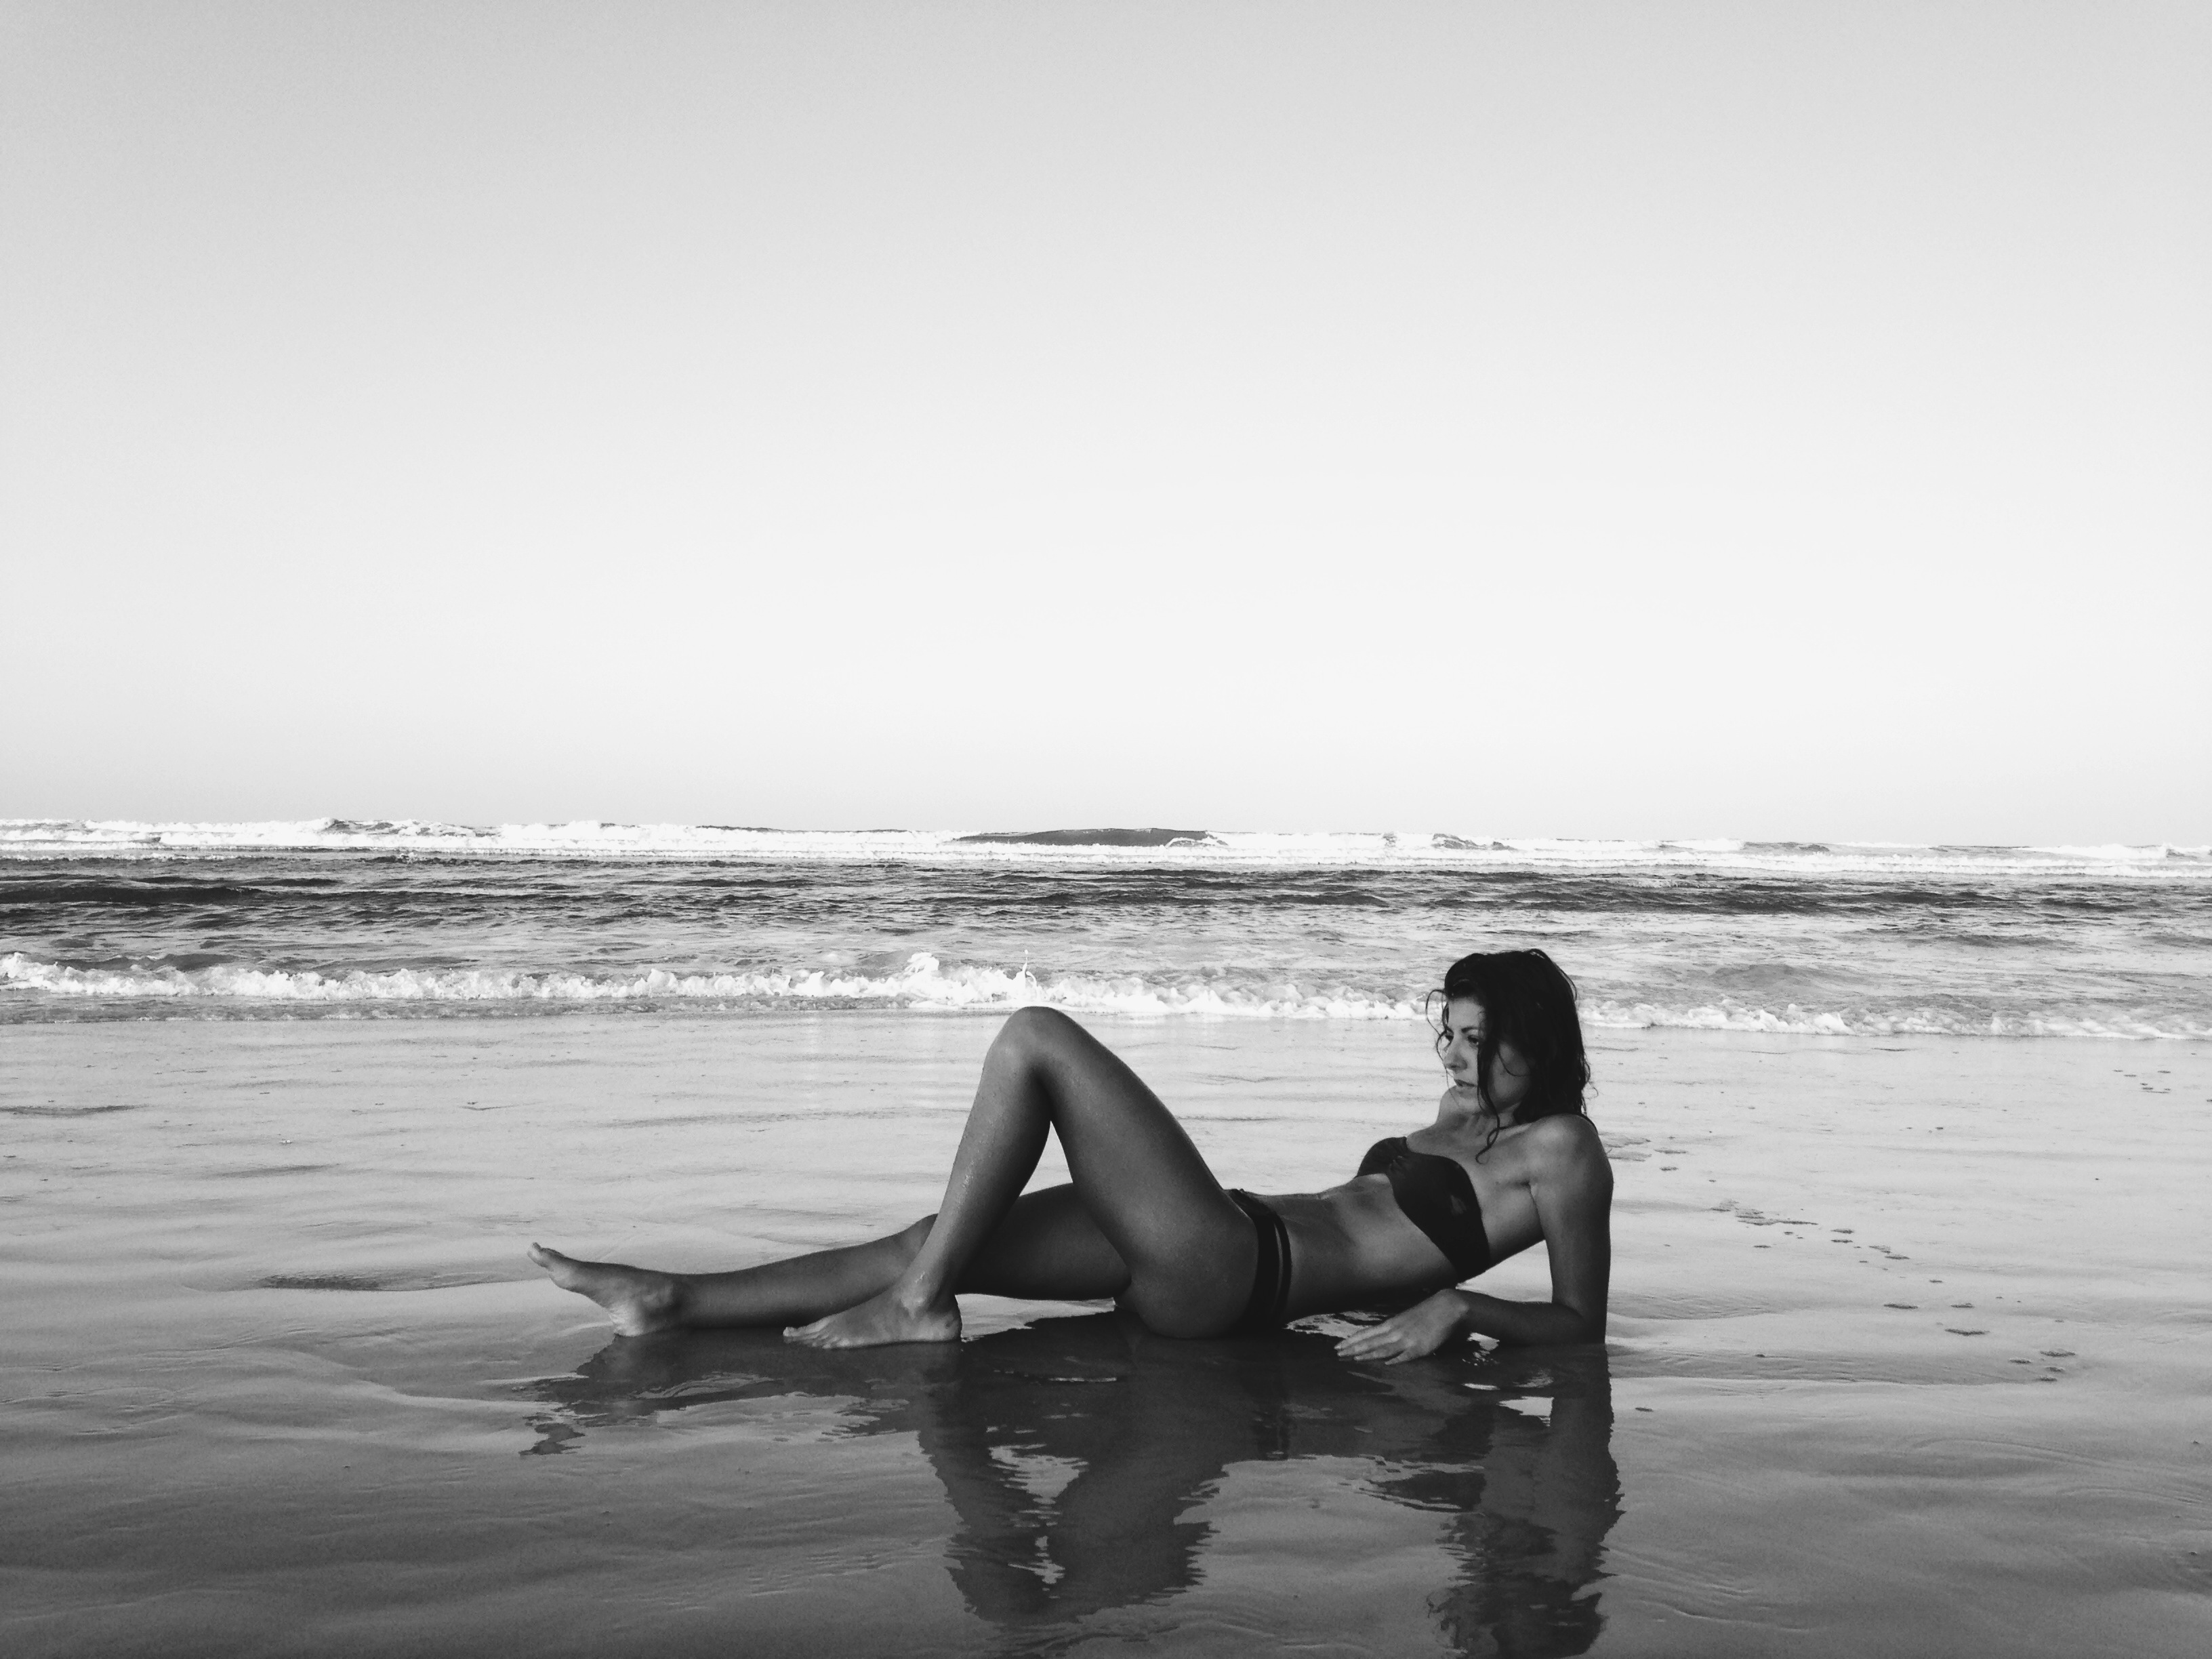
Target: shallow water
x,y
1908,1354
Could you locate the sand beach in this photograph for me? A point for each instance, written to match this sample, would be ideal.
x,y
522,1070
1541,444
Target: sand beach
x,y
1908,1354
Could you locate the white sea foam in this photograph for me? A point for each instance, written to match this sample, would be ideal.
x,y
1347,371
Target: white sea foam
x,y
589,839
924,984
1792,1020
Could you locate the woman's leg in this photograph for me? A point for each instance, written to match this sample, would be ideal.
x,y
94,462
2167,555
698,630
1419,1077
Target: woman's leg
x,y
1188,1251
1047,1247
801,1287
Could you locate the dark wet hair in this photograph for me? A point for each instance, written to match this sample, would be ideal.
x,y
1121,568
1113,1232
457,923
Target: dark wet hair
x,y
1527,1002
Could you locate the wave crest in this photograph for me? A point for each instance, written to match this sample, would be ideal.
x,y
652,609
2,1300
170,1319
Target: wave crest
x,y
922,983
925,984
1728,1015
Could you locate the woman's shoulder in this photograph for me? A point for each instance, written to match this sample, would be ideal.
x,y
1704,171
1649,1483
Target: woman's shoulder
x,y
1564,1139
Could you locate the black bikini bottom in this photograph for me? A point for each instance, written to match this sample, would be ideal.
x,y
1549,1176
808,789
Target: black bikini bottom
x,y
1271,1270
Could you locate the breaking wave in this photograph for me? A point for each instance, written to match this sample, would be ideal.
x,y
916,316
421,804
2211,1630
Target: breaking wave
x,y
922,983
925,984
1728,1015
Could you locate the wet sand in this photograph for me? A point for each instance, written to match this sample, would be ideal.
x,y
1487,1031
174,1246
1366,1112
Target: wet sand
x,y
1909,1354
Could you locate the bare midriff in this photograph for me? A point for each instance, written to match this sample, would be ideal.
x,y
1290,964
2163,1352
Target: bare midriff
x,y
1352,1246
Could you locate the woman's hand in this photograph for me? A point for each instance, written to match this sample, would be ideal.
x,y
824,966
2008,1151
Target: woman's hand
x,y
1422,1329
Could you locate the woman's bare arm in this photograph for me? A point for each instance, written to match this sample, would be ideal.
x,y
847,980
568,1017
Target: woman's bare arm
x,y
1572,1184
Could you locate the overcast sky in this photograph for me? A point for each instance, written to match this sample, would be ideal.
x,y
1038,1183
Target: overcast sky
x,y
1647,420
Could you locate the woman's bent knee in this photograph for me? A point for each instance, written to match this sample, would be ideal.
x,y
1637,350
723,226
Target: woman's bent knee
x,y
1039,1031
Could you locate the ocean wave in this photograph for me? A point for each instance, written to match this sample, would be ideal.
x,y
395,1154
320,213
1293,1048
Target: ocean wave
x,y
924,984
48,838
1792,1020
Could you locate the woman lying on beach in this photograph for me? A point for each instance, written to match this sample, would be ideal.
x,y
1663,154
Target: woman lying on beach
x,y
1510,1160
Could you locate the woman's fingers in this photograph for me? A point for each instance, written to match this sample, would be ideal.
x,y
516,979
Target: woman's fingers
x,y
1373,1335
1391,1354
1388,1340
1398,1338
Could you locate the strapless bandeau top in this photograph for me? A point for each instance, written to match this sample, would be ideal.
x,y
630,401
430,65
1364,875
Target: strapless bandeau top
x,y
1436,1197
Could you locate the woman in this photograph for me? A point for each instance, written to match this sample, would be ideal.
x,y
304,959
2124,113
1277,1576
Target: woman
x,y
1510,1160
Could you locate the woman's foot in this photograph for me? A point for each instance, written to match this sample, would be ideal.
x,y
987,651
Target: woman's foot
x,y
639,1302
880,1321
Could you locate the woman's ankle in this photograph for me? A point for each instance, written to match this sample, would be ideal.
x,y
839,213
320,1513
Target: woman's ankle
x,y
922,1295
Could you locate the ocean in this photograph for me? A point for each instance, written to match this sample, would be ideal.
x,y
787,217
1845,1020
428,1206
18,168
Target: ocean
x,y
338,918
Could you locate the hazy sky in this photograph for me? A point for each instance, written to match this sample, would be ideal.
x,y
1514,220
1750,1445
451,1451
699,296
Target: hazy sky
x,y
1652,420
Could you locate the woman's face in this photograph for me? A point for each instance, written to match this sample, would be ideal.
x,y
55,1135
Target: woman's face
x,y
1509,1068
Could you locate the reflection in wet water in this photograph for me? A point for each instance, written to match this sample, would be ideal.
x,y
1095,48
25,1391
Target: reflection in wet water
x,y
1071,1450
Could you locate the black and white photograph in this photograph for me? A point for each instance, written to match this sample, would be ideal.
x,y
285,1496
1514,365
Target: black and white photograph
x,y
888,828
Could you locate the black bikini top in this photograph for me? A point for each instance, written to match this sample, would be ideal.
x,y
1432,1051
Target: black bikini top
x,y
1438,1197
